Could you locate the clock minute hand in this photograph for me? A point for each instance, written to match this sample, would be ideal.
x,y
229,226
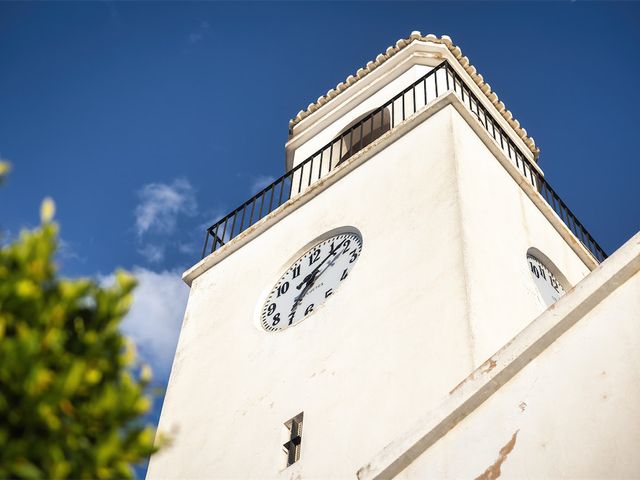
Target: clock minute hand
x,y
333,252
309,279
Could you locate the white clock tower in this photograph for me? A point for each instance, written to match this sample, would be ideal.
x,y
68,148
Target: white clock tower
x,y
359,316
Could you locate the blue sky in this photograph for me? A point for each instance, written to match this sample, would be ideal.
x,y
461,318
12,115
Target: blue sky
x,y
146,121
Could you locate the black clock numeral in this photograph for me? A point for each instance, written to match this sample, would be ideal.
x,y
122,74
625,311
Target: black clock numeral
x,y
346,244
276,320
344,274
296,271
328,293
309,309
271,308
291,315
282,289
554,284
314,256
535,270
354,256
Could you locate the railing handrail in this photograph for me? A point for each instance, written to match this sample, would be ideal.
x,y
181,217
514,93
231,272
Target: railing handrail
x,y
512,150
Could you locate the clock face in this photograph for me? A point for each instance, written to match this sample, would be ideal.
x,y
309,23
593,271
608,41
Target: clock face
x,y
310,281
549,287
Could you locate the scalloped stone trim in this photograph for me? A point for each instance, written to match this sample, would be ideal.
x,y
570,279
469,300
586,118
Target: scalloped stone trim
x,y
401,44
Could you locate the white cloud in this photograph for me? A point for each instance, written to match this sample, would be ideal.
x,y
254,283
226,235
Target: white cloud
x,y
188,248
260,182
152,253
160,204
154,320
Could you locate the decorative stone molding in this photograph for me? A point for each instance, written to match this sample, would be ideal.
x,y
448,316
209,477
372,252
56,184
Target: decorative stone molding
x,y
401,44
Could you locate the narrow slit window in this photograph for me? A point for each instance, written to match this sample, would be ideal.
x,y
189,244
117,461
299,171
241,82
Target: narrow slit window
x,y
292,447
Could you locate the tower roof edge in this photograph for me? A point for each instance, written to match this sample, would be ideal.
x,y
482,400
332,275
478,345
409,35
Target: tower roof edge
x,y
400,45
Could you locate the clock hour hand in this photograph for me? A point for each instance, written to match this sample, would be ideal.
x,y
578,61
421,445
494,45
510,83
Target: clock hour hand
x,y
299,298
308,279
306,288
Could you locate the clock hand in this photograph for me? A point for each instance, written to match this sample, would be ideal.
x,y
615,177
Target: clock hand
x,y
309,284
311,277
334,253
310,281
299,297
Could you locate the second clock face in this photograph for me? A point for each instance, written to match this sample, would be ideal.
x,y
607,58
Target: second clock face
x,y
549,287
310,281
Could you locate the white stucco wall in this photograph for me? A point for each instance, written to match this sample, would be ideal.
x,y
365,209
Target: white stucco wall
x,y
499,224
573,412
350,366
412,320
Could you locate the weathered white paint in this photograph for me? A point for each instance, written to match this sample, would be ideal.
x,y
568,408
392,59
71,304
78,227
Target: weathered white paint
x,y
560,400
440,285
575,408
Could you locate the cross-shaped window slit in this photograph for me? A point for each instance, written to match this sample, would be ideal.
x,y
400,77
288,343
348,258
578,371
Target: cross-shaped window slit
x,y
292,447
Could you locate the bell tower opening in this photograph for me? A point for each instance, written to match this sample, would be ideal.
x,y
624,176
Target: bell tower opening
x,y
363,131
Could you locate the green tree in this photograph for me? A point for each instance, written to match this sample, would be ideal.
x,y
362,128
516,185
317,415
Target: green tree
x,y
71,392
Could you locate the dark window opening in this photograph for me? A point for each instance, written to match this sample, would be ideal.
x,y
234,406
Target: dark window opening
x,y
363,131
292,447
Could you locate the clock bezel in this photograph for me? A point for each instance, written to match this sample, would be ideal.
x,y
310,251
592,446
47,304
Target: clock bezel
x,y
301,252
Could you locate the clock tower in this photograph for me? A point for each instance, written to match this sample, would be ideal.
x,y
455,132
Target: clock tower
x,y
411,238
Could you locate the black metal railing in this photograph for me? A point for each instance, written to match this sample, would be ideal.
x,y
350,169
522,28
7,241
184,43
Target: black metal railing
x,y
405,104
525,167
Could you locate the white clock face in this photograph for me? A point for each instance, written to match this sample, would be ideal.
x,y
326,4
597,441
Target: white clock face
x,y
310,281
549,287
